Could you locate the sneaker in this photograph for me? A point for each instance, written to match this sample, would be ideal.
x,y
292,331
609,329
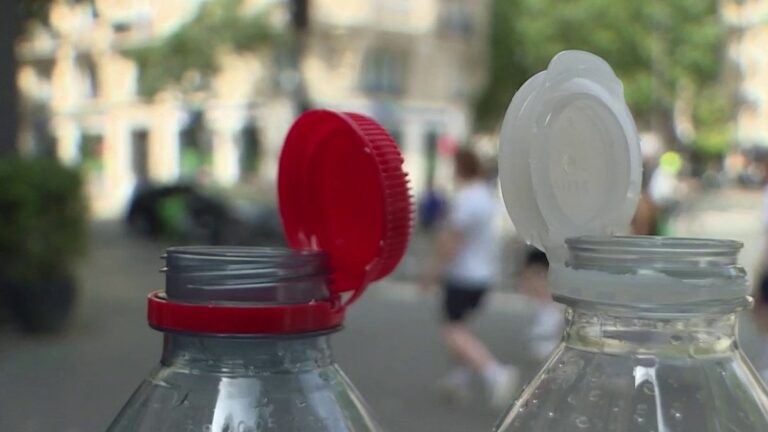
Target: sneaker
x,y
504,388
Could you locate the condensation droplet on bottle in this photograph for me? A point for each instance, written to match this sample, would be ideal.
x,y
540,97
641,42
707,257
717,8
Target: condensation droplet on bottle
x,y
640,411
325,376
160,383
722,369
551,414
594,395
676,414
243,427
675,339
182,400
649,388
572,398
582,422
698,349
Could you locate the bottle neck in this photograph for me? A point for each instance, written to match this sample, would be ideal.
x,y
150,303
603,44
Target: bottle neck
x,y
246,355
244,275
651,273
662,335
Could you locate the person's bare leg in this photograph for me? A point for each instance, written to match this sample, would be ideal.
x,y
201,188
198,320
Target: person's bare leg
x,y
467,348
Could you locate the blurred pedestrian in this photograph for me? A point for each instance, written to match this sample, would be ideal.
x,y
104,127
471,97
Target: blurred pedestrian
x,y
644,221
466,264
666,190
431,208
545,331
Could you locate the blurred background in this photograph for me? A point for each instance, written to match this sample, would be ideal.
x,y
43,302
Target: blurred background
x,y
130,125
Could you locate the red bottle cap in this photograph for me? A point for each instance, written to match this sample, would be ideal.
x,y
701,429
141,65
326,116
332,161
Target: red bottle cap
x,y
342,190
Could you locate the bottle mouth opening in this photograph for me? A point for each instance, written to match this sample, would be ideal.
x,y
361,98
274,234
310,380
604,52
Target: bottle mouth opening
x,y
675,256
253,275
654,245
268,257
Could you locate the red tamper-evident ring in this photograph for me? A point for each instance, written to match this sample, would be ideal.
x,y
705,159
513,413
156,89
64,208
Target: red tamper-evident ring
x,y
166,315
342,190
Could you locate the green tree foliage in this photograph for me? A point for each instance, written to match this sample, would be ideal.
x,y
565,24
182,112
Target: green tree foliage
x,y
43,219
655,46
194,46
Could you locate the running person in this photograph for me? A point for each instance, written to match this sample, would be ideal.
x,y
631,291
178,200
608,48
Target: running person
x,y
466,262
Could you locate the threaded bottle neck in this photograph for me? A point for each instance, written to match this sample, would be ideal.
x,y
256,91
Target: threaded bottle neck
x,y
250,275
652,274
684,258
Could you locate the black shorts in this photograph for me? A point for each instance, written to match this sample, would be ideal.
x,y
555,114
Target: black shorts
x,y
459,299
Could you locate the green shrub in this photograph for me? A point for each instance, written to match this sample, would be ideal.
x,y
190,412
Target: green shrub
x,y
42,219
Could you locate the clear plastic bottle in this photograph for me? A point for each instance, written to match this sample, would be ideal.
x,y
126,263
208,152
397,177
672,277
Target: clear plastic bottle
x,y
660,353
246,329
245,383
650,343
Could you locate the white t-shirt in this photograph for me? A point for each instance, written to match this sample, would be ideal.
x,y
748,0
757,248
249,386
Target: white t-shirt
x,y
472,214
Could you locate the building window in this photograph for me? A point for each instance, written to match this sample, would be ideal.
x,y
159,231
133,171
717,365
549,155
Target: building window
x,y
91,77
249,151
383,71
43,141
139,154
195,149
92,153
456,18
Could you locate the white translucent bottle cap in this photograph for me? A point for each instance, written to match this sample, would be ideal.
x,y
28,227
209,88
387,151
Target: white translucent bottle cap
x,y
569,155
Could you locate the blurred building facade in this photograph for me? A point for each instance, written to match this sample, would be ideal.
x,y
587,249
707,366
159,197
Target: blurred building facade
x,y
747,23
415,65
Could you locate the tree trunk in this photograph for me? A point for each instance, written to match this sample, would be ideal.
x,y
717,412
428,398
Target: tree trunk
x,y
8,92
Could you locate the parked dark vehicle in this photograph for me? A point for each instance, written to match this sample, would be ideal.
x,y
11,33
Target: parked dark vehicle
x,y
42,233
184,213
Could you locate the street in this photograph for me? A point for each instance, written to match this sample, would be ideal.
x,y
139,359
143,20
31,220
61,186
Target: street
x,y
76,381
